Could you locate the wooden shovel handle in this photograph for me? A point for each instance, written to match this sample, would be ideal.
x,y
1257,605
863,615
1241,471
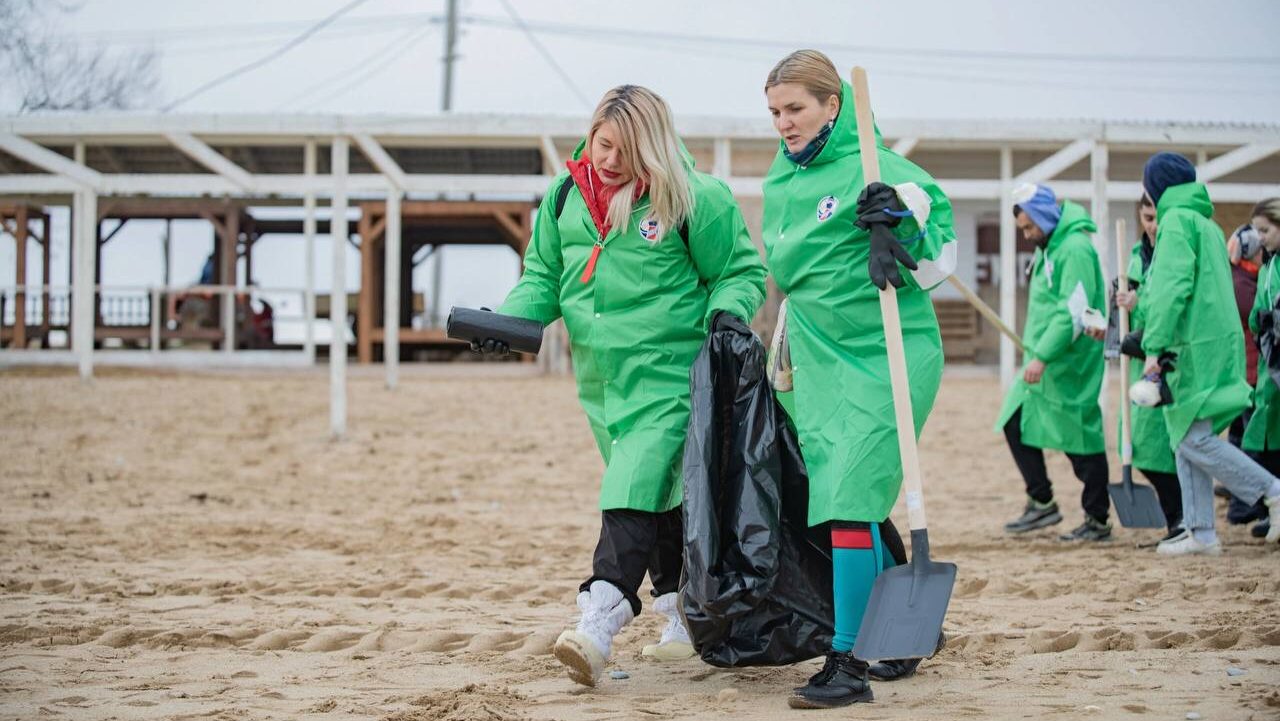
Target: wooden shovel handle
x,y
892,325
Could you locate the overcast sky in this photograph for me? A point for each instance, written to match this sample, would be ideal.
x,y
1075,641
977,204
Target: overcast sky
x,y
1138,60
928,58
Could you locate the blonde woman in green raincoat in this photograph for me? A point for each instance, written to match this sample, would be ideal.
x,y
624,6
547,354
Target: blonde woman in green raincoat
x,y
831,244
1194,340
639,254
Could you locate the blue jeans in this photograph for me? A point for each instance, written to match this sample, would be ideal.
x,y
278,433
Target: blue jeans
x,y
1203,456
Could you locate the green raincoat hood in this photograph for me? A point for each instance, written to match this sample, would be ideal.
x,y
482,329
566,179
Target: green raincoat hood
x,y
1192,196
844,135
1074,219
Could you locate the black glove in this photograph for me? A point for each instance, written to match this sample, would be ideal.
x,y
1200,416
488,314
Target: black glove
x,y
723,320
877,205
874,205
886,253
1132,345
490,346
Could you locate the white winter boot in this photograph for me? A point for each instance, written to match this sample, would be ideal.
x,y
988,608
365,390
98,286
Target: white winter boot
x,y
585,650
675,644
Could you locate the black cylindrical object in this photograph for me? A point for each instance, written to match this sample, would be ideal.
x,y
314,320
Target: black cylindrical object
x,y
477,326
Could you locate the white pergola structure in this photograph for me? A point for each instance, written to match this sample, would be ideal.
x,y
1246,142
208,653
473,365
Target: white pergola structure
x,y
83,157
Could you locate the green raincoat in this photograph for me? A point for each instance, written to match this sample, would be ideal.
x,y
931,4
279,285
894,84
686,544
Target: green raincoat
x,y
636,326
1263,433
842,403
1190,309
1151,451
1061,412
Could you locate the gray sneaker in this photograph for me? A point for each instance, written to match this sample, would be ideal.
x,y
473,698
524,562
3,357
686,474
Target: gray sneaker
x,y
1091,530
1035,515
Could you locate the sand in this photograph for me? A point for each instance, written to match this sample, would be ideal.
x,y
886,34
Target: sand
x,y
194,547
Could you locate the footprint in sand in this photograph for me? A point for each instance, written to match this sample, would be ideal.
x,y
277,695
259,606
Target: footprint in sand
x,y
277,640
1054,641
440,642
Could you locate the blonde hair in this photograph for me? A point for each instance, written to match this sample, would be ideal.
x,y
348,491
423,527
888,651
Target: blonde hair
x,y
647,139
1269,209
809,69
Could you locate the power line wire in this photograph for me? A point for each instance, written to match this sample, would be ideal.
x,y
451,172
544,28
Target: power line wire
x,y
546,54
266,58
400,43
422,34
589,30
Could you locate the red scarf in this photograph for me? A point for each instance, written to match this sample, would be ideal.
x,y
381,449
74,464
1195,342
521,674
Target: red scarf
x,y
597,195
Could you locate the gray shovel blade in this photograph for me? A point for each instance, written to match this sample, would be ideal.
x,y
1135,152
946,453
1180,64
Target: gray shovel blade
x,y
1137,505
908,603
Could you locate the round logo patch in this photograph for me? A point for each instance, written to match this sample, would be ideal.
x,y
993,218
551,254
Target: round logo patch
x,y
649,229
827,207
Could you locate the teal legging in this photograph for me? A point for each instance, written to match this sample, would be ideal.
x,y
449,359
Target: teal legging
x,y
857,556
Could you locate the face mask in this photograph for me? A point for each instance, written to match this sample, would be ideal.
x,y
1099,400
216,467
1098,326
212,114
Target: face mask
x,y
810,151
1250,243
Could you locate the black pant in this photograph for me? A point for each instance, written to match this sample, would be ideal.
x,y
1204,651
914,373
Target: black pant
x,y
1170,494
1090,468
635,542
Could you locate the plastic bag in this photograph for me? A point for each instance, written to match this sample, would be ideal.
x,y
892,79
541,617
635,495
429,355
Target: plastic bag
x,y
756,588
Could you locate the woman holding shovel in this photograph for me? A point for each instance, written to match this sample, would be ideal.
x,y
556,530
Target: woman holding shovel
x,y
1149,438
640,254
830,259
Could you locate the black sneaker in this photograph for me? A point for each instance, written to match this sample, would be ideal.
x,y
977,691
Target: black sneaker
x,y
1240,513
896,669
1260,530
1035,515
1091,530
842,681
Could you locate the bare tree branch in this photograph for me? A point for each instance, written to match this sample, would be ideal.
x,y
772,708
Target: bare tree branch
x,y
55,73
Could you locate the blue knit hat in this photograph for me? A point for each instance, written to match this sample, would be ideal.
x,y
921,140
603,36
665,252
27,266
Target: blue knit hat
x,y
1165,170
1040,204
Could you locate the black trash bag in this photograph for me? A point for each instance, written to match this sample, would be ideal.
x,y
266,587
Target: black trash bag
x,y
756,586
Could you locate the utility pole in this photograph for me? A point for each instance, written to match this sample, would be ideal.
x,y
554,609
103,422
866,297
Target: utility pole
x,y
450,43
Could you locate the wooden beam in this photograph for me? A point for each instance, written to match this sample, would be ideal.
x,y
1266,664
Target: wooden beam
x,y
103,241
382,160
1050,167
46,275
47,160
512,229
1234,160
20,270
200,152
904,146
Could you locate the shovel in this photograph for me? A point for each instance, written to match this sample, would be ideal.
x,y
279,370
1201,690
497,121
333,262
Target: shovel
x,y
986,311
1137,506
904,614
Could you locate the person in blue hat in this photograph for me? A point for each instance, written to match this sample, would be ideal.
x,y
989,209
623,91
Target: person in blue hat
x,y
1193,338
1054,404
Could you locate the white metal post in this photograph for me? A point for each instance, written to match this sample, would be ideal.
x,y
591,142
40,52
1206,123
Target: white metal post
x,y
391,297
1008,266
1098,168
309,251
84,239
338,292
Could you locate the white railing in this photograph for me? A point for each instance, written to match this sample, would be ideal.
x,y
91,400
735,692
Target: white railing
x,y
168,317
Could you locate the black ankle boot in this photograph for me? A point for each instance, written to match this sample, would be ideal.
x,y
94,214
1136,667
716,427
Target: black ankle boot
x,y
842,681
895,669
